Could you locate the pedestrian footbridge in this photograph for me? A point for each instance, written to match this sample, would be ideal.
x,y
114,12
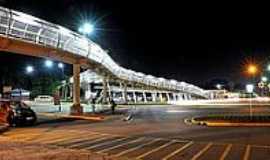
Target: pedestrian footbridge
x,y
24,34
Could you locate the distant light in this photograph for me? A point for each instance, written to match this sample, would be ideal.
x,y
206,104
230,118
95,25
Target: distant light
x,y
264,79
249,88
87,28
48,63
268,67
29,69
218,86
60,65
252,69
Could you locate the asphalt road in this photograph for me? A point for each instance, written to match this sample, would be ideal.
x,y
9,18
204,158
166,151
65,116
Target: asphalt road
x,y
157,132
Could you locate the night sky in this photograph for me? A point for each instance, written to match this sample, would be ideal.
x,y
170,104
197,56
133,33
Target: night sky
x,y
192,42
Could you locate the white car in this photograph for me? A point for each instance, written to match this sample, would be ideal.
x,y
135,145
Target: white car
x,y
44,98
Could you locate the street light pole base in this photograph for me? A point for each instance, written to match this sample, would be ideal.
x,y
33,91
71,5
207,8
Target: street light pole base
x,y
76,109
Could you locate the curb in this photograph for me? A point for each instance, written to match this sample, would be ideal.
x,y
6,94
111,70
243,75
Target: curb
x,y
95,118
227,124
192,121
3,128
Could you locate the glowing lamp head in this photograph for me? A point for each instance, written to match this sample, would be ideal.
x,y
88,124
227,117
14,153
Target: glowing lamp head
x,y
48,63
60,65
264,79
86,28
29,69
252,69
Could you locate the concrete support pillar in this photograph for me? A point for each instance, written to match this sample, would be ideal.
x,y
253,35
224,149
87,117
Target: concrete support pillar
x,y
109,89
144,97
104,91
174,97
76,108
66,92
185,96
123,86
71,91
179,98
154,96
168,97
134,97
189,97
160,97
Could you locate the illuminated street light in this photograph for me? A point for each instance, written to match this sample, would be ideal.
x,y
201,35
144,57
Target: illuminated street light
x,y
252,69
29,69
60,65
264,79
48,63
268,67
218,86
86,28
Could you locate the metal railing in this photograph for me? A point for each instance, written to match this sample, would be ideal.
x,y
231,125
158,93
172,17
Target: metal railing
x,y
18,25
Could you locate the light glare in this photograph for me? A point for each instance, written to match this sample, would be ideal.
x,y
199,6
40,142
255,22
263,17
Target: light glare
x,y
48,63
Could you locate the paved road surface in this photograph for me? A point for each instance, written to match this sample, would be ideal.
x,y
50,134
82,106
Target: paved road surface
x,y
157,132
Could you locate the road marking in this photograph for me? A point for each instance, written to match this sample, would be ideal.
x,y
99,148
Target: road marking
x,y
70,137
136,147
178,151
247,153
113,147
49,137
105,143
154,150
196,156
78,139
226,151
86,142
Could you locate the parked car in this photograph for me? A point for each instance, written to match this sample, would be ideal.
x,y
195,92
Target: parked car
x,y
44,98
16,113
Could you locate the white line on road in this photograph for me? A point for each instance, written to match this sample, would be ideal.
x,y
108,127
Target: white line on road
x,y
196,156
136,147
178,151
133,141
247,152
87,142
105,143
226,152
80,139
156,149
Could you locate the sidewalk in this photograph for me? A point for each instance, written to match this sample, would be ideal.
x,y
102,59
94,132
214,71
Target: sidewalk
x,y
3,127
102,112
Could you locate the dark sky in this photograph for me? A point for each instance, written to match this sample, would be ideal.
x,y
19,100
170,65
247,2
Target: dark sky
x,y
192,42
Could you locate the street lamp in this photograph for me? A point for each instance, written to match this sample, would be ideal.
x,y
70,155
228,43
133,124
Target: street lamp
x,y
86,28
218,86
268,67
264,79
60,65
29,69
252,69
48,63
